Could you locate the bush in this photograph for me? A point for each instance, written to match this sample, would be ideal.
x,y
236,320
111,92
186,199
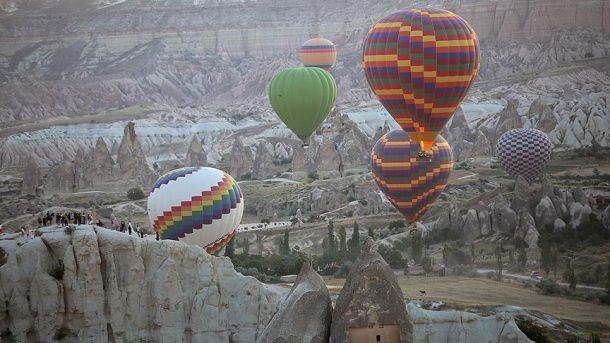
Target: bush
x,y
247,176
464,270
69,230
3,256
549,287
343,270
397,224
533,331
392,256
57,271
258,275
135,193
313,176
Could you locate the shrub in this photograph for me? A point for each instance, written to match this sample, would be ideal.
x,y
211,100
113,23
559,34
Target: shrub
x,y
343,270
397,224
464,270
258,275
3,256
62,333
135,193
69,230
313,176
533,330
549,287
392,256
57,271
246,176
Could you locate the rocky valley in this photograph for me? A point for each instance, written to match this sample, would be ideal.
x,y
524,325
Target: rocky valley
x,y
100,97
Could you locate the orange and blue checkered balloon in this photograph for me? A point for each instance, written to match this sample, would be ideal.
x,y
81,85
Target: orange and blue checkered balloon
x,y
420,64
199,205
410,184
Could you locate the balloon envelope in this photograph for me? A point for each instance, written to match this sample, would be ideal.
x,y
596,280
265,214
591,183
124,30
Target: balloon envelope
x,y
302,98
410,184
318,52
524,152
198,205
420,64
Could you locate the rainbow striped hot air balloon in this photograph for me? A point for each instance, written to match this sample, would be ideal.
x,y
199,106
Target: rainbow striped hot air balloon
x,y
420,64
198,205
410,184
318,52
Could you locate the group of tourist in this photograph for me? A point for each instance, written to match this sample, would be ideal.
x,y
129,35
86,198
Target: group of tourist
x,y
65,218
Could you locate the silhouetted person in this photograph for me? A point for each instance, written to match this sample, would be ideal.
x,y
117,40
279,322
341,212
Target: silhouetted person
x,y
129,228
122,229
157,235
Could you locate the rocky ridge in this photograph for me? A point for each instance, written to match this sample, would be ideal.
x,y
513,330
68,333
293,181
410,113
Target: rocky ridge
x,y
100,285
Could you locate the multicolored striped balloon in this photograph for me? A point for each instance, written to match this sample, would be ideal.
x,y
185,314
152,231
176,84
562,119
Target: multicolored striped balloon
x,y
420,64
318,52
524,152
199,205
411,185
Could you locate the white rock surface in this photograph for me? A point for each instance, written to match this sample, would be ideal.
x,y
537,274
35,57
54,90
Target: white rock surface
x,y
457,326
122,289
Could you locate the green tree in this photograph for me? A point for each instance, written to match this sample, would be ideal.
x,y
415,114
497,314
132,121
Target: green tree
x,y
426,263
245,244
230,248
259,244
342,240
371,233
445,254
332,242
554,260
499,261
285,249
472,251
135,193
511,257
354,242
521,257
546,258
569,275
416,248
608,278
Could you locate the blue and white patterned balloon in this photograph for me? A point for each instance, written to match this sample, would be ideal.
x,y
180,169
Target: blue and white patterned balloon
x,y
524,152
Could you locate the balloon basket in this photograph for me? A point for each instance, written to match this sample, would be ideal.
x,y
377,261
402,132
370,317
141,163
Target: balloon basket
x,y
423,156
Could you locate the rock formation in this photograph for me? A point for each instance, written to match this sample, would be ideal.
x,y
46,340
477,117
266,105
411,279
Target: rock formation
x,y
305,315
99,166
503,218
606,218
131,158
98,285
456,326
239,162
196,156
370,296
263,166
471,229
31,178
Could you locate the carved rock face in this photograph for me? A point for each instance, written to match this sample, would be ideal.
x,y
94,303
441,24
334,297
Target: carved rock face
x,y
371,296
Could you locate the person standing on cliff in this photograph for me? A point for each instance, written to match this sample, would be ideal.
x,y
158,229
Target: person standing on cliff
x,y
129,227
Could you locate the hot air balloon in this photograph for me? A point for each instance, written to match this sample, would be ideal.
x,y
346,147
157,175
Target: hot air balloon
x,y
302,98
198,205
410,184
420,64
318,52
524,152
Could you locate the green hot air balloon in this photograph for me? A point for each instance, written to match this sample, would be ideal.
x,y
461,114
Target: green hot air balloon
x,y
302,98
